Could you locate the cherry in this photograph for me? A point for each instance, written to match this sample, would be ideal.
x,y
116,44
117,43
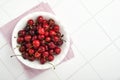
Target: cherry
x,y
46,47
32,32
31,58
56,39
41,31
45,26
34,37
28,45
45,54
41,49
40,19
60,42
37,54
56,28
50,57
51,51
46,33
20,40
21,33
57,50
43,42
27,38
41,37
47,39
27,28
52,33
22,48
42,60
51,45
51,22
44,21
25,55
31,51
36,43
30,22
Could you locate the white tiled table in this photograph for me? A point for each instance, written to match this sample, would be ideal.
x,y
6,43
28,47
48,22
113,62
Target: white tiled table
x,y
94,26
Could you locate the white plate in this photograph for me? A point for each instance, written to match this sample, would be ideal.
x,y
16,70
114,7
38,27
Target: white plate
x,y
36,64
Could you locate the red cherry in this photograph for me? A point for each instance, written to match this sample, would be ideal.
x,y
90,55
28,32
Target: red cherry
x,y
60,42
31,51
46,26
40,19
45,54
41,49
52,33
51,51
22,48
46,47
51,45
50,57
21,33
27,38
56,39
20,40
28,45
41,31
37,54
36,43
51,22
31,58
46,33
25,55
41,37
43,42
42,60
48,39
56,28
30,22
57,50
44,21
34,37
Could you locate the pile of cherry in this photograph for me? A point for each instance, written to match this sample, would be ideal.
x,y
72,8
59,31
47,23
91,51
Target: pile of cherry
x,y
40,40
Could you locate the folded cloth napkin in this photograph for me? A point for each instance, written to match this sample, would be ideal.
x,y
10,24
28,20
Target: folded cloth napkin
x,y
7,29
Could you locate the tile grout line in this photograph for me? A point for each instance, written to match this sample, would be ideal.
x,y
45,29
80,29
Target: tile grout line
x,y
8,69
92,16
88,61
112,41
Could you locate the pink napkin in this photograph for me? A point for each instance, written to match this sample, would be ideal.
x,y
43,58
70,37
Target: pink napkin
x,y
7,29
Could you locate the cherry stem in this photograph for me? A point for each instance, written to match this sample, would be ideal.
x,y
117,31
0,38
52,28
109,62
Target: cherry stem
x,y
64,40
15,37
14,55
52,65
17,46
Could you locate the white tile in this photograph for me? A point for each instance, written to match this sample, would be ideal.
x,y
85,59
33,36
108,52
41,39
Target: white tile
x,y
5,74
4,18
67,68
117,42
107,64
2,40
109,18
86,73
16,8
2,2
12,64
95,5
46,75
90,39
54,3
72,14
